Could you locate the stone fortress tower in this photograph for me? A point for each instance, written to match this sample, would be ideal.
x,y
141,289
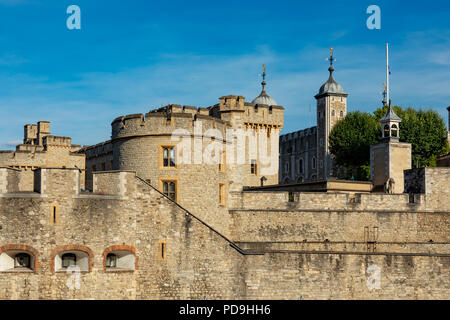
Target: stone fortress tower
x,y
305,154
40,149
331,107
188,152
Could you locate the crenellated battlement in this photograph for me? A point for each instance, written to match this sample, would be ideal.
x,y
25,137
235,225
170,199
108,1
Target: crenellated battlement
x,y
298,134
165,121
57,141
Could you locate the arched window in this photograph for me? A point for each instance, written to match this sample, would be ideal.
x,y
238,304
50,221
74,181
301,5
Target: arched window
x,y
22,260
333,113
386,132
111,260
300,166
119,258
314,162
69,259
342,114
18,258
394,130
65,257
286,167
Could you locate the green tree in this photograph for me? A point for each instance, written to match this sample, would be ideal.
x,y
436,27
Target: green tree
x,y
425,130
350,142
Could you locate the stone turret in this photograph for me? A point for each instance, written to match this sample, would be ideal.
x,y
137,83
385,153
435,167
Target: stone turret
x,y
390,158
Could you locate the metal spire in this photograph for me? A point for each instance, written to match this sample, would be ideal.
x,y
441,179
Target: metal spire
x,y
263,83
331,59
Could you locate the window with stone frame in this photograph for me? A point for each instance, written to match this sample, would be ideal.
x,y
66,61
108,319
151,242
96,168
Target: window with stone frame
x,y
222,162
170,189
162,252
168,155
222,195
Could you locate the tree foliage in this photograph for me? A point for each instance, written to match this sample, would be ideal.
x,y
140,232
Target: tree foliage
x,y
351,138
425,130
350,142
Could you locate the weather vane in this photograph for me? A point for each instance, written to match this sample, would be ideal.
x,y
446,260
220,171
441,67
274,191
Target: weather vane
x,y
264,72
331,58
263,83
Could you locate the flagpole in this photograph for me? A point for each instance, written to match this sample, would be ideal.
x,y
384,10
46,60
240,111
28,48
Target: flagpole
x,y
387,72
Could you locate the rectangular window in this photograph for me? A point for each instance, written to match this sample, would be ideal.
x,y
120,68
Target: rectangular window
x,y
253,167
222,194
111,165
94,168
162,251
170,189
222,162
103,166
168,157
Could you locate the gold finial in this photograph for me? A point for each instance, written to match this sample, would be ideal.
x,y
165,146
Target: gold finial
x,y
384,86
264,68
331,51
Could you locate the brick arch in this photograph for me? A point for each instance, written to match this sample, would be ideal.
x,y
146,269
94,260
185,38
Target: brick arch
x,y
71,247
120,247
23,247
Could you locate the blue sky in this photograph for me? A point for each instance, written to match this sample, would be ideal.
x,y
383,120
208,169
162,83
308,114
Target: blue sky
x,y
133,56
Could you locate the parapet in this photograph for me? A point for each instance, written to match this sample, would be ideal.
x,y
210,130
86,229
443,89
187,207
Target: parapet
x,y
433,182
298,134
165,121
57,181
114,183
57,141
9,180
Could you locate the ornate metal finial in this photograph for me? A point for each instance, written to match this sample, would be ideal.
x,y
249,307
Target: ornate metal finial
x,y
331,59
263,83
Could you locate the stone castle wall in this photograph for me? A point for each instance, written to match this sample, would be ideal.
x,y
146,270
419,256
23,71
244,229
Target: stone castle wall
x,y
199,262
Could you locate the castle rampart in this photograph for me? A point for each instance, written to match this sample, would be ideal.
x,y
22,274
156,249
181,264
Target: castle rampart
x,y
198,261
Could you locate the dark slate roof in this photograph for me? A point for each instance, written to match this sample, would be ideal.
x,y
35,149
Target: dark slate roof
x,y
264,98
390,116
331,86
